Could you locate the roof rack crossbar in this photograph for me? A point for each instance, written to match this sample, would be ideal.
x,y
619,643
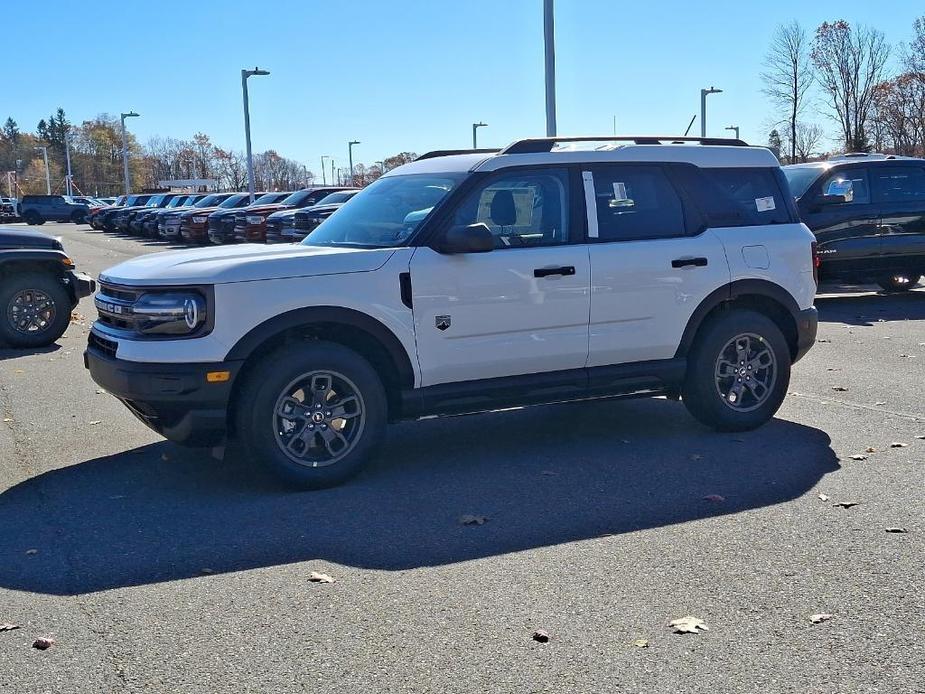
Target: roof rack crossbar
x,y
536,145
451,152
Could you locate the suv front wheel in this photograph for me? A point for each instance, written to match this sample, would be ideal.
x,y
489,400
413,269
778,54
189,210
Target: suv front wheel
x,y
312,413
737,372
901,282
33,218
35,309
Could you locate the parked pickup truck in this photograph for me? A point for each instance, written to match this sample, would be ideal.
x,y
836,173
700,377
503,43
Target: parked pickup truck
x,y
868,214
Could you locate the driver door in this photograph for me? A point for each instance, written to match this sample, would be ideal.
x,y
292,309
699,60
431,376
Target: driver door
x,y
522,308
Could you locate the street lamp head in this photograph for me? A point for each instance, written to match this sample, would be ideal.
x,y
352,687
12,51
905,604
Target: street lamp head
x,y
131,114
711,90
480,124
354,142
255,72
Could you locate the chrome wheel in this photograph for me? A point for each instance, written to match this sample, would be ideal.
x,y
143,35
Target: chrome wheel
x,y
745,373
319,418
31,311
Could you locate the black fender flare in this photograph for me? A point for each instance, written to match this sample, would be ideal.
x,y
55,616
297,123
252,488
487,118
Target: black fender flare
x,y
245,346
730,292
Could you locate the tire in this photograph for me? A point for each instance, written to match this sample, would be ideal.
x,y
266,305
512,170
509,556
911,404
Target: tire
x,y
33,218
899,282
265,433
78,217
49,324
709,387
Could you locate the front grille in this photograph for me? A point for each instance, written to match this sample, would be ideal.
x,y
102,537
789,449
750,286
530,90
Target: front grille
x,y
114,305
306,221
120,293
107,347
216,223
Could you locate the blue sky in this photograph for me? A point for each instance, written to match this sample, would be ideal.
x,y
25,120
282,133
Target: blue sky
x,y
404,74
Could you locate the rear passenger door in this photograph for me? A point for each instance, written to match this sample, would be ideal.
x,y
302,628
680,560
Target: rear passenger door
x,y
650,268
899,193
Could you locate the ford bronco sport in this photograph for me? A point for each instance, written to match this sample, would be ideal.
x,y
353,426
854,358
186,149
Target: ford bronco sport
x,y
555,269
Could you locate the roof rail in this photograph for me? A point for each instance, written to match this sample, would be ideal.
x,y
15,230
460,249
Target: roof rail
x,y
535,145
451,152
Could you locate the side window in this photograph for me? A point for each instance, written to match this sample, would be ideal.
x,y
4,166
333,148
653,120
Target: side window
x,y
526,208
753,195
852,183
636,202
898,184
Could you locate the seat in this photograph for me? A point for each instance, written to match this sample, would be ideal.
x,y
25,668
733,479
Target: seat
x,y
503,211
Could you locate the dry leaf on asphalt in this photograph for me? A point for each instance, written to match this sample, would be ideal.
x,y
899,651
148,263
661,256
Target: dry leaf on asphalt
x,y
641,643
840,389
469,519
7,419
880,403
870,449
541,635
8,627
858,456
824,497
316,577
95,422
896,530
715,498
688,625
898,444
820,618
921,437
846,504
43,643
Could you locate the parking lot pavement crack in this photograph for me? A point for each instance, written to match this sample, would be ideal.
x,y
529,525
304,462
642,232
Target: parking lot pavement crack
x,y
914,417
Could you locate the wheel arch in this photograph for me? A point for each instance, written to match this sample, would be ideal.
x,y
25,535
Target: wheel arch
x,y
762,296
356,330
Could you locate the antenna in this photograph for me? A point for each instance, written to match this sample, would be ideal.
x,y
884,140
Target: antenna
x,y
693,118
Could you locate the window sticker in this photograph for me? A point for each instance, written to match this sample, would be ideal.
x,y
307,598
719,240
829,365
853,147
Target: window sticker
x,y
765,204
619,190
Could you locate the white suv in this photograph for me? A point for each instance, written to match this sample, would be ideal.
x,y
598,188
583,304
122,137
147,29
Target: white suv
x,y
555,269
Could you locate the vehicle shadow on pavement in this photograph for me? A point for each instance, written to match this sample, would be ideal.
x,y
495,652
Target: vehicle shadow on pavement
x,y
540,476
867,309
7,352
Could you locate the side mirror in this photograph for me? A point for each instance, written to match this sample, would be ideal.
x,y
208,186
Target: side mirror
x,y
473,238
831,199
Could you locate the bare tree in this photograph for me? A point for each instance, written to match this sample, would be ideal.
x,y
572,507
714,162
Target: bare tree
x,y
849,64
788,76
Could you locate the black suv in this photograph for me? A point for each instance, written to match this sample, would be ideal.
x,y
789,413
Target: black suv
x,y
38,209
38,288
868,214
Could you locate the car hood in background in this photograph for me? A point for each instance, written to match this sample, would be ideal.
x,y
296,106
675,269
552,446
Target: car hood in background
x,y
16,238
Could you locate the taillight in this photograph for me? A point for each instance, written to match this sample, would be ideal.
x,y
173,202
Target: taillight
x,y
816,262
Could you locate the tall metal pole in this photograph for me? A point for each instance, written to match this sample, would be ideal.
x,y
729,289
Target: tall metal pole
x,y
332,171
247,128
128,185
703,108
67,153
549,36
734,128
350,156
324,176
475,127
47,173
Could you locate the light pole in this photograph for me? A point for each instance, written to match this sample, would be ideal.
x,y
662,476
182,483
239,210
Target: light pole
x,y
247,127
67,153
324,176
332,171
735,128
475,127
381,167
47,174
703,108
123,116
350,156
549,38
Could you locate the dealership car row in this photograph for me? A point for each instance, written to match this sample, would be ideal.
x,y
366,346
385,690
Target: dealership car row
x,y
221,218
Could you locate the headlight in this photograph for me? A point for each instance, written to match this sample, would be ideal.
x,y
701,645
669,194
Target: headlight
x,y
174,313
254,219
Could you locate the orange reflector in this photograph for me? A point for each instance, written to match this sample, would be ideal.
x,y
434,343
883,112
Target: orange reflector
x,y
218,376
67,261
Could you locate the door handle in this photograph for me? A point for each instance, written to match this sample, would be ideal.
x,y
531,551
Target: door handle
x,y
565,270
689,262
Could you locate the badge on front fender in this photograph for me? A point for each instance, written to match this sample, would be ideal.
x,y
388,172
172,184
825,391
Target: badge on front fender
x,y
442,322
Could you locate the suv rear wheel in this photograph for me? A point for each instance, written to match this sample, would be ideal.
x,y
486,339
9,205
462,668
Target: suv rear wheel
x,y
737,372
900,282
35,309
78,217
33,217
312,413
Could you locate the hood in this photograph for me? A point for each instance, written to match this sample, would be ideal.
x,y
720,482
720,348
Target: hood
x,y
322,209
196,211
226,212
288,212
16,238
243,263
263,209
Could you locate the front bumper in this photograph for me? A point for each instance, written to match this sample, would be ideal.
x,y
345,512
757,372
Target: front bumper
x,y
175,400
81,283
807,326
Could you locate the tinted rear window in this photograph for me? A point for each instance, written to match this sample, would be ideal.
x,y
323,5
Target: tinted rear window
x,y
745,197
898,183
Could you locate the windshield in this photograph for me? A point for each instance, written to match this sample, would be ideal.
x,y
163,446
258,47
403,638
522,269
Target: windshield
x,y
343,196
209,201
155,201
234,200
297,197
386,213
270,198
176,202
801,178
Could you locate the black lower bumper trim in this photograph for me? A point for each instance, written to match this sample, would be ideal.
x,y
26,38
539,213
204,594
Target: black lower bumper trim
x,y
807,326
83,284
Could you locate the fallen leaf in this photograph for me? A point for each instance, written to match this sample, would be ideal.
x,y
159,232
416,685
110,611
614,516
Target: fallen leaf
x,y
907,356
870,449
880,404
541,635
95,422
469,519
858,457
316,577
840,389
896,530
824,497
9,627
921,437
833,368
31,552
899,444
7,419
715,498
820,618
43,643
100,391
846,504
688,625
823,341
641,643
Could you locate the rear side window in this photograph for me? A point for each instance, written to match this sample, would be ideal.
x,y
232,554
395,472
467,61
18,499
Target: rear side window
x,y
636,202
898,184
751,195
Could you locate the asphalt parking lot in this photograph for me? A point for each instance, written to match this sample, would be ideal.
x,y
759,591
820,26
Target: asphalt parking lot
x,y
162,569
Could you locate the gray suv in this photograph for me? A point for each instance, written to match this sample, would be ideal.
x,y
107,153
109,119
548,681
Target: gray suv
x,y
38,209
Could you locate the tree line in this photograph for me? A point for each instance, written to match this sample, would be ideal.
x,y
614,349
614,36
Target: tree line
x,y
843,73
